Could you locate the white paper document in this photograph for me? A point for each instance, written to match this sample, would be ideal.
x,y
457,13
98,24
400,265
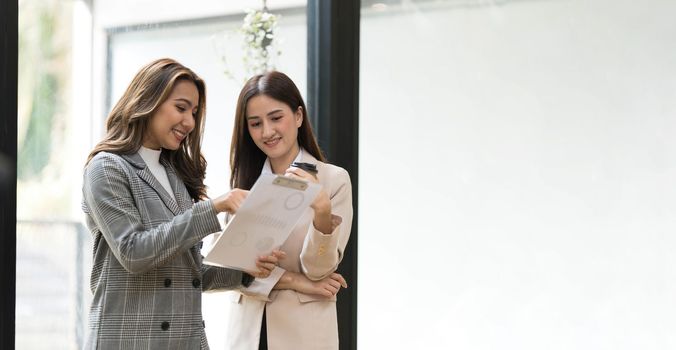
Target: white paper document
x,y
263,222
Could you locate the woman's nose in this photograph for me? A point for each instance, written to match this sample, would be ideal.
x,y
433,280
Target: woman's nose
x,y
267,130
189,122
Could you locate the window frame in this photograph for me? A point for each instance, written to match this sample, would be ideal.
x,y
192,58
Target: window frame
x,y
9,42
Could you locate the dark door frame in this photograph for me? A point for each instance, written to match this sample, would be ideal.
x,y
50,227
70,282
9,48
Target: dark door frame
x,y
9,59
333,104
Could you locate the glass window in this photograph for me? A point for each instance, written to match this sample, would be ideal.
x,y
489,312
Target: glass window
x,y
50,282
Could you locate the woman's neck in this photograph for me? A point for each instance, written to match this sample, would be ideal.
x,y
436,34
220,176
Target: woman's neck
x,y
279,165
149,154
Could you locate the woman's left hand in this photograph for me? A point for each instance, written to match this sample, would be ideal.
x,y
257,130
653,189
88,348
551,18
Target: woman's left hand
x,y
322,202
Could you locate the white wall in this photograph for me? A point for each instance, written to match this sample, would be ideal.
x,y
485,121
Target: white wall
x,y
114,13
517,176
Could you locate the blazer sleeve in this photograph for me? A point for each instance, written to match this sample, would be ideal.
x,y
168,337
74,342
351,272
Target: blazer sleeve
x,y
260,288
111,204
215,278
322,253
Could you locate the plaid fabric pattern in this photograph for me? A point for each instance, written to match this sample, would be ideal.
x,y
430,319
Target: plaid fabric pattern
x,y
147,275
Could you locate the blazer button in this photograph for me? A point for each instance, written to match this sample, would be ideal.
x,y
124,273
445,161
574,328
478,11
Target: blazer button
x,y
165,325
167,282
196,283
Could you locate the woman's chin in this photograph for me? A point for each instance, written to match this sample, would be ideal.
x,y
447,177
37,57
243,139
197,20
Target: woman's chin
x,y
172,146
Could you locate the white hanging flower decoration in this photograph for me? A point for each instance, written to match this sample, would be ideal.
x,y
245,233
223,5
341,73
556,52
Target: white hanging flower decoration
x,y
260,49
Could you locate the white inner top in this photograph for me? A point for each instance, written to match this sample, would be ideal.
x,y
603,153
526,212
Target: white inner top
x,y
152,159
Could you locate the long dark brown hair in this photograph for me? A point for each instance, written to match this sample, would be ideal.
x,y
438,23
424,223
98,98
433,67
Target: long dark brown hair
x,y
129,119
246,159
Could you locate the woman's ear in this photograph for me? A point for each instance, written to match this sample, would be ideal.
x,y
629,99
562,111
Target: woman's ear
x,y
299,116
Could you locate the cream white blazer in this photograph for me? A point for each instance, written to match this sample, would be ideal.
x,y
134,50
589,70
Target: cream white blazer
x,y
295,320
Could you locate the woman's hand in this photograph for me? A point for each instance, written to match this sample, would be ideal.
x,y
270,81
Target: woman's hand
x,y
322,203
267,263
230,201
327,287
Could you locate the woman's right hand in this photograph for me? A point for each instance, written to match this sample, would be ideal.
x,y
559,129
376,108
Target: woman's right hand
x,y
327,287
230,201
267,263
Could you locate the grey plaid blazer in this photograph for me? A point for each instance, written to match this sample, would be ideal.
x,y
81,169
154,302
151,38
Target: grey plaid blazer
x,y
147,276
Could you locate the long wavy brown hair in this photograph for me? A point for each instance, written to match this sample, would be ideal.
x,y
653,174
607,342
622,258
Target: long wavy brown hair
x,y
129,119
246,159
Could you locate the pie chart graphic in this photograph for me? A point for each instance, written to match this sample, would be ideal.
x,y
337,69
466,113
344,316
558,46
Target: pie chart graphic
x,y
293,201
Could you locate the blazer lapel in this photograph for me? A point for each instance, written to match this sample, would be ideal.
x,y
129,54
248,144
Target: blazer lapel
x,y
180,192
184,203
144,173
306,157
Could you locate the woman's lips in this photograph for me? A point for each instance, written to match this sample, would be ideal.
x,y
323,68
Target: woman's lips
x,y
273,142
180,135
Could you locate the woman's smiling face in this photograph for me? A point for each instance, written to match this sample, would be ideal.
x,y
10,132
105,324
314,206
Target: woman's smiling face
x,y
175,118
273,126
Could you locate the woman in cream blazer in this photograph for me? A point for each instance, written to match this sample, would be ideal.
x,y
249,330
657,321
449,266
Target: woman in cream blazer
x,y
293,308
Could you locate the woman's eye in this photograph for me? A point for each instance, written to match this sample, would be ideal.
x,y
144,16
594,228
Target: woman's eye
x,y
255,124
277,118
180,108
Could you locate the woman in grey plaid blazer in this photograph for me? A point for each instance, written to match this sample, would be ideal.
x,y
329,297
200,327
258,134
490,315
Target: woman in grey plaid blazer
x,y
146,208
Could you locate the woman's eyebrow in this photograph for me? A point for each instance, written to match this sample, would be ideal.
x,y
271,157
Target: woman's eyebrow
x,y
275,111
269,113
183,100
